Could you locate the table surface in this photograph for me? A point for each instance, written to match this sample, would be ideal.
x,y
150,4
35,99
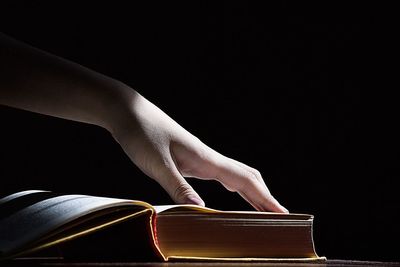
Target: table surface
x,y
59,263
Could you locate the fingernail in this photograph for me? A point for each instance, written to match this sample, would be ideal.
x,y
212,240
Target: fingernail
x,y
285,210
195,200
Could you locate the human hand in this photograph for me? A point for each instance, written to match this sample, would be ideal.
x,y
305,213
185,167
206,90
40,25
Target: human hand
x,y
159,146
166,152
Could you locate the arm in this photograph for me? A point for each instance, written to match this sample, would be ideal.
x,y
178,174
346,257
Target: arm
x,y
37,81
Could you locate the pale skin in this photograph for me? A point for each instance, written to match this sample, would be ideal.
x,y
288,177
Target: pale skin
x,y
37,81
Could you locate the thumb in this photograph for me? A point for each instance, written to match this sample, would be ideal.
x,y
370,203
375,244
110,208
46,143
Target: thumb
x,y
179,189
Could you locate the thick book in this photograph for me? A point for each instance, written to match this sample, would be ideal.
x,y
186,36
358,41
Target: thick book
x,y
83,227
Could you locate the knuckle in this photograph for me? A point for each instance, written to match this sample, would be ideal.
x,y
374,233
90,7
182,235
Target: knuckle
x,y
257,173
253,178
249,183
182,191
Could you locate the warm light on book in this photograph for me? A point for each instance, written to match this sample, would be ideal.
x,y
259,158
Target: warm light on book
x,y
96,227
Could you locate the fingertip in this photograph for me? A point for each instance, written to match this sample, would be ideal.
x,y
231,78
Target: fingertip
x,y
283,210
195,200
275,206
279,208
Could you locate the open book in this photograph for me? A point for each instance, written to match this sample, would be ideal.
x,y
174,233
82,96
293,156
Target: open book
x,y
90,227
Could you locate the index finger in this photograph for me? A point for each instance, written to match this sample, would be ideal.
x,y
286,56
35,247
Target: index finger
x,y
246,181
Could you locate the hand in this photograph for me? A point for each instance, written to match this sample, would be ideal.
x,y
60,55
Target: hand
x,y
159,146
166,152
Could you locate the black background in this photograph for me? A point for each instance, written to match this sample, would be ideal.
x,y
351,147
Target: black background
x,y
298,91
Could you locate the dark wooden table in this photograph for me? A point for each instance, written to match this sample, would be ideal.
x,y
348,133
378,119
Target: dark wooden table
x,y
59,263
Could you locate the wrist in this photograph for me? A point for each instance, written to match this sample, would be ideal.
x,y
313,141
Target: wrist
x,y
119,108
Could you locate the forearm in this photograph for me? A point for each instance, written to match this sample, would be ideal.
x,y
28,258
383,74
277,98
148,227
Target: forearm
x,y
34,80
